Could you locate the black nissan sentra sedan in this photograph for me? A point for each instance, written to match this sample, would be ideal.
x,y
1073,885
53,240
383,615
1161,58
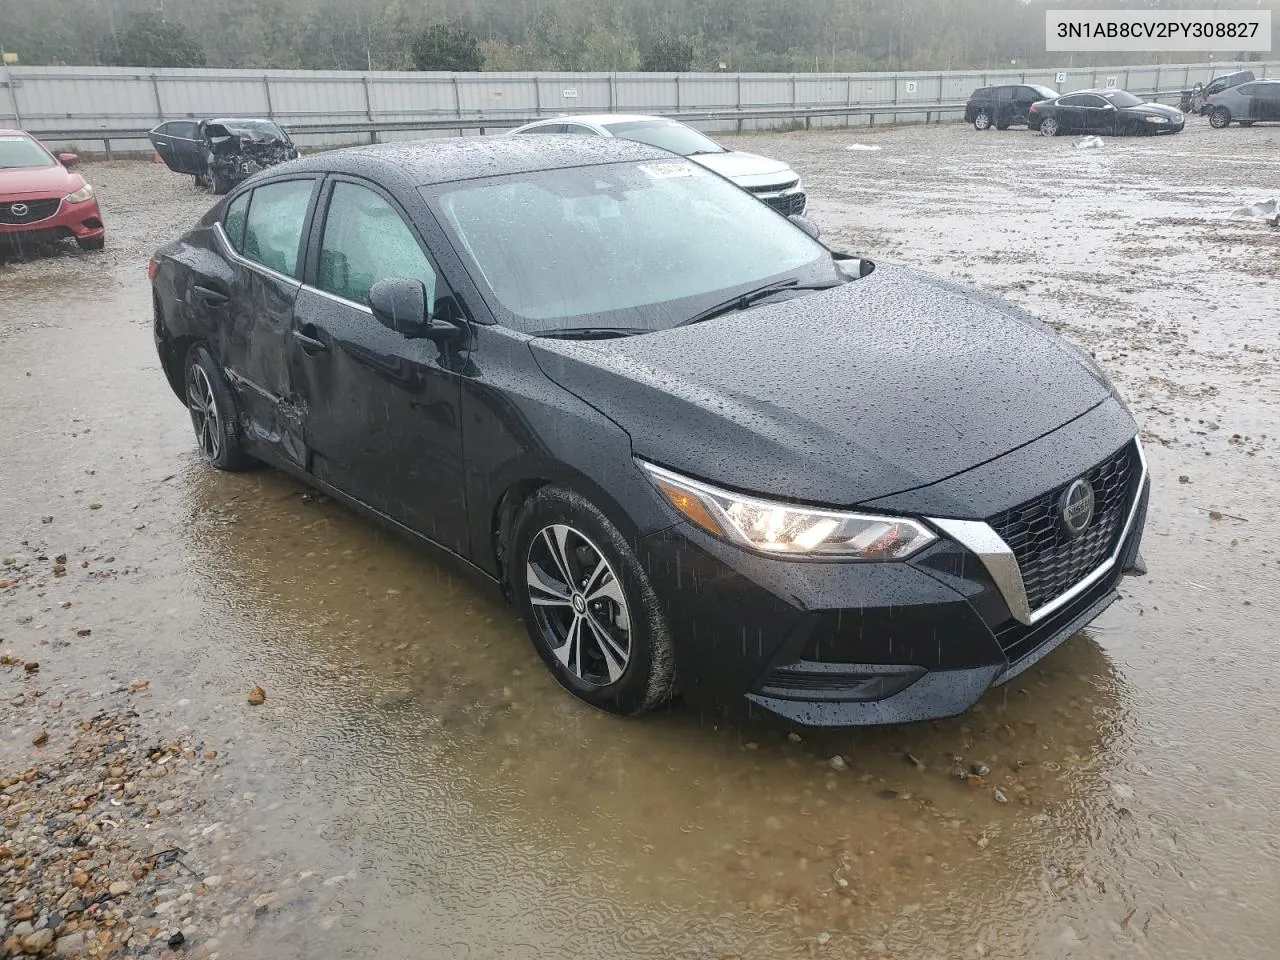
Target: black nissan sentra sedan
x,y
699,451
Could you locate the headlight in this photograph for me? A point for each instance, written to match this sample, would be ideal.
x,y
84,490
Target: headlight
x,y
1157,119
81,195
781,529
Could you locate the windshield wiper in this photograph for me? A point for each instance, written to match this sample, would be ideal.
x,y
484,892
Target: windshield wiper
x,y
591,333
744,300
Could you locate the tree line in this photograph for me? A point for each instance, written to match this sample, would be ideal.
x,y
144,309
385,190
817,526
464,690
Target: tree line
x,y
571,35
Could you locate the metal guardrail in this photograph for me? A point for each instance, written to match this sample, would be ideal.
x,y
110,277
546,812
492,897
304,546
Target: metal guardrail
x,y
932,112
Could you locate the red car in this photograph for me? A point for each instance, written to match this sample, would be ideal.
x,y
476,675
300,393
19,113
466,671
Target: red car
x,y
41,200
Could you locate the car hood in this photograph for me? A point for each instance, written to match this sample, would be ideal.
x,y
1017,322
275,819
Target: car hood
x,y
737,165
883,385
55,181
1155,110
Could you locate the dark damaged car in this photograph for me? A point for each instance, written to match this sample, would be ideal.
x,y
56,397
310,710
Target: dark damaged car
x,y
700,452
222,153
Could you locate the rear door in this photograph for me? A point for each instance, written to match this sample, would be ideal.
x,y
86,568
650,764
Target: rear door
x,y
382,411
179,146
265,230
1006,108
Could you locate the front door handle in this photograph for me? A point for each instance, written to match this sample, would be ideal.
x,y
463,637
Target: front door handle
x,y
211,297
310,345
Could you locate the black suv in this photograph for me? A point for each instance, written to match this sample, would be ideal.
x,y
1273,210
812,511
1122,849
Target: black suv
x,y
1001,107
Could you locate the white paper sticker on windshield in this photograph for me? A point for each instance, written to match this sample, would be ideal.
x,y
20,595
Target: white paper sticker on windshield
x,y
668,170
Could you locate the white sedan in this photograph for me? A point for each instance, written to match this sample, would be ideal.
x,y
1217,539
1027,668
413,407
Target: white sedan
x,y
772,181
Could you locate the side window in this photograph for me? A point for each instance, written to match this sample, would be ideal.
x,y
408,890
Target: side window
x,y
1248,90
233,222
273,230
579,129
547,128
182,129
1267,91
1029,93
1076,101
366,240
1004,93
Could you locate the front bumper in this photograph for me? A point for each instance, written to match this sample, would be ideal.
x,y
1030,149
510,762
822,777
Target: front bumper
x,y
82,221
846,644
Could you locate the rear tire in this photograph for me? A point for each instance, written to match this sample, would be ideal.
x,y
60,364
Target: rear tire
x,y
1049,127
213,412
1220,118
982,121
588,604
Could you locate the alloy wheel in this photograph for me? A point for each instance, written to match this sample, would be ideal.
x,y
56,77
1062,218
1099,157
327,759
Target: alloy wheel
x,y
981,122
1220,118
1049,127
579,605
204,412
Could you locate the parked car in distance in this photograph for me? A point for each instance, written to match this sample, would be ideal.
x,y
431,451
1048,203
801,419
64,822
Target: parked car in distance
x,y
686,438
41,199
1246,104
1003,106
1195,100
221,153
772,181
1114,112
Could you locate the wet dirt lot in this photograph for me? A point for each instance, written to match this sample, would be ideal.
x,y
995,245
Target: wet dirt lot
x,y
415,786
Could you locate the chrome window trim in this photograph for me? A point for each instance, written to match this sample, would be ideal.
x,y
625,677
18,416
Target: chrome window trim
x,y
241,259
982,540
337,299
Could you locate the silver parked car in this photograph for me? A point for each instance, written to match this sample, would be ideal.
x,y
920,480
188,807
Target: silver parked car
x,y
1245,104
772,181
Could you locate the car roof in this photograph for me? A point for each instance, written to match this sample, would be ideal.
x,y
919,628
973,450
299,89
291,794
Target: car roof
x,y
444,160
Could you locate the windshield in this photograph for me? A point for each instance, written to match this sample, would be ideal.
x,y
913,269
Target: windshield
x,y
666,134
1122,99
642,246
17,152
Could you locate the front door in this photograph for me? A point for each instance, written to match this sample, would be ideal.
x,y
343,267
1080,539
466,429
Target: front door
x,y
179,147
382,411
1266,101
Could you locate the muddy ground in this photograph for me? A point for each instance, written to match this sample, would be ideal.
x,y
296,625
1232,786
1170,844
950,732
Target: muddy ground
x,y
414,786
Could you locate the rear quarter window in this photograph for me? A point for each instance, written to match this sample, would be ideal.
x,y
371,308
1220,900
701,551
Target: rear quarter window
x,y
273,229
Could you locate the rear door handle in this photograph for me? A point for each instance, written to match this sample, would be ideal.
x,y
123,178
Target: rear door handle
x,y
310,345
211,297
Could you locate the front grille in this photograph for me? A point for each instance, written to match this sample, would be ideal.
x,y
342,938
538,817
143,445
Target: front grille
x,y
35,211
787,205
774,187
1018,640
1050,559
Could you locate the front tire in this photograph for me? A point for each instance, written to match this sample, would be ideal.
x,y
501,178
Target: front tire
x,y
1220,118
213,412
1049,127
588,604
982,121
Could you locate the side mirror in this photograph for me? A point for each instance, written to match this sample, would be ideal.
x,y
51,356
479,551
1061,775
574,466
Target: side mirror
x,y
400,304
68,159
855,268
805,224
